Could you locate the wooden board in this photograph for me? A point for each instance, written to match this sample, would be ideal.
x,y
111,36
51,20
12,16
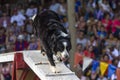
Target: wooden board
x,y
43,70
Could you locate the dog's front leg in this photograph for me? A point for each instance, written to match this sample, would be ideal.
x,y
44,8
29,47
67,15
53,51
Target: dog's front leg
x,y
52,64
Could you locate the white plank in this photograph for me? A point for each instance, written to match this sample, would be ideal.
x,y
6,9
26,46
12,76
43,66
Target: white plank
x,y
34,58
8,57
43,70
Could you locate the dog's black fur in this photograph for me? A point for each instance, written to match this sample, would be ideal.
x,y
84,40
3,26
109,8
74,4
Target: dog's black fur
x,y
48,27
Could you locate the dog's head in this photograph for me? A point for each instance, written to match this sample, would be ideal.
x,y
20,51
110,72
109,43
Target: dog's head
x,y
62,47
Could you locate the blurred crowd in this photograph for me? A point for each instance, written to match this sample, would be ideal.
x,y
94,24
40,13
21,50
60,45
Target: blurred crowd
x,y
98,36
97,30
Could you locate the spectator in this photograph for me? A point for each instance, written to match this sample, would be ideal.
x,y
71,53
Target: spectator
x,y
20,9
89,52
102,34
16,29
26,36
20,43
111,40
55,6
98,12
31,10
114,63
0,10
81,24
63,8
116,25
107,22
33,44
105,5
7,9
105,58
18,17
29,27
113,52
6,70
5,20
82,40
10,41
2,39
78,6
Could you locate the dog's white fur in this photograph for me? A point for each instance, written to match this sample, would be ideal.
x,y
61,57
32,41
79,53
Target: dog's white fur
x,y
64,34
64,53
33,17
54,69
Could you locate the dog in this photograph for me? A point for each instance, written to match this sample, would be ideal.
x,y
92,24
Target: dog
x,y
53,35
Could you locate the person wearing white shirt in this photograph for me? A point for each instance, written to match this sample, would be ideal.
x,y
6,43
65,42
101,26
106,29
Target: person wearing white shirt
x,y
31,11
105,5
55,6
19,18
113,52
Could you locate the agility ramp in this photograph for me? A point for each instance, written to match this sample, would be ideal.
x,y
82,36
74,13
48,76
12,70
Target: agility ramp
x,y
40,66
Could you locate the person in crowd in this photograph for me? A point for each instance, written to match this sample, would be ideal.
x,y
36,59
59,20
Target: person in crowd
x,y
89,52
78,6
2,39
16,29
111,40
1,10
18,17
81,39
79,49
10,40
6,71
55,6
81,24
98,12
20,43
26,36
33,44
114,52
102,34
29,27
7,9
31,10
21,9
107,22
116,25
63,8
5,20
105,5
114,63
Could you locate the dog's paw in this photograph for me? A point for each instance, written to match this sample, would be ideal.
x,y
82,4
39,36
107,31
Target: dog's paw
x,y
54,69
43,53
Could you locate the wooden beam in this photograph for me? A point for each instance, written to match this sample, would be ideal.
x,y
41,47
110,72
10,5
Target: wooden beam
x,y
71,20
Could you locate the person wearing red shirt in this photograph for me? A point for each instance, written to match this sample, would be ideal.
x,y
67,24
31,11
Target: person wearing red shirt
x,y
116,26
89,52
107,22
21,44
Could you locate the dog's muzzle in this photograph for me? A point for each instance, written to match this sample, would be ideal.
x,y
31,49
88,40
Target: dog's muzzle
x,y
62,56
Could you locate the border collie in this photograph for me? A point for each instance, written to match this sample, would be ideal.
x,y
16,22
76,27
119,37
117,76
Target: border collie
x,y
54,37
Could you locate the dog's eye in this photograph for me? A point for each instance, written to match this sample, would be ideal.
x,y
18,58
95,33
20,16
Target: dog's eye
x,y
60,48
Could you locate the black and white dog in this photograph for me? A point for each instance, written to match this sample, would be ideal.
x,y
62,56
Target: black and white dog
x,y
53,35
